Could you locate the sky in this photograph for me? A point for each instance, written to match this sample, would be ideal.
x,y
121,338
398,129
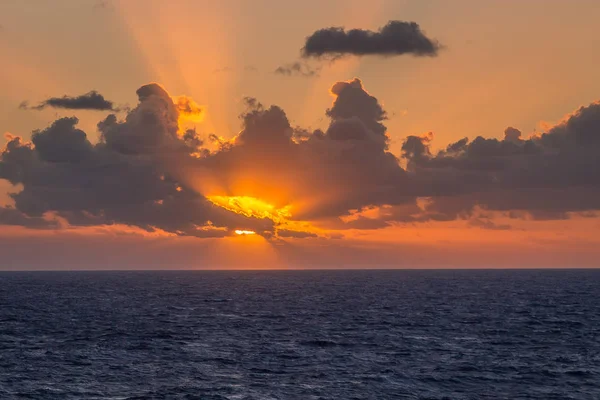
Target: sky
x,y
256,135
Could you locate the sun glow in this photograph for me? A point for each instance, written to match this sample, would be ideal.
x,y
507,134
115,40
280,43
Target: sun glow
x,y
243,232
251,207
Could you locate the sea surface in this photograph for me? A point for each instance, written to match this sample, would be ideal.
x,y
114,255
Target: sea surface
x,y
484,334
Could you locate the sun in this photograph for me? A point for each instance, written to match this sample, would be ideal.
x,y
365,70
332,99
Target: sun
x,y
253,207
244,232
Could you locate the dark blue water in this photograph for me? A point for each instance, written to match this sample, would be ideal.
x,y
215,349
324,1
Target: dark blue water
x,y
300,335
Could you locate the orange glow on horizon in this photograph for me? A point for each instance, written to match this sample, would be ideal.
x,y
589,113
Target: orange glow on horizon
x,y
252,207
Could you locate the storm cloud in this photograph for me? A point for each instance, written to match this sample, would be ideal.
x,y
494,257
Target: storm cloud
x,y
88,101
394,39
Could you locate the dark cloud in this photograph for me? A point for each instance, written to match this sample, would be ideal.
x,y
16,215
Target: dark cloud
x,y
512,135
395,38
12,216
547,175
346,167
124,179
148,172
285,233
488,224
62,142
361,223
89,101
298,69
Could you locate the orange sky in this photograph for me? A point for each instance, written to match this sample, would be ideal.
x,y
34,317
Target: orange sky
x,y
503,63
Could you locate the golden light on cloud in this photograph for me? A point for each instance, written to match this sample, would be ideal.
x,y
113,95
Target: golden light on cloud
x,y
189,110
251,207
244,232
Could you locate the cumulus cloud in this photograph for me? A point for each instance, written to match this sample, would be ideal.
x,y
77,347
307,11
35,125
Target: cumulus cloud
x,y
326,173
147,172
88,101
394,39
547,175
123,179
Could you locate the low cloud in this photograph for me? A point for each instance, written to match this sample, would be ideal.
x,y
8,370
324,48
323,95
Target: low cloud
x,y
488,224
123,179
148,172
14,217
394,39
548,175
285,233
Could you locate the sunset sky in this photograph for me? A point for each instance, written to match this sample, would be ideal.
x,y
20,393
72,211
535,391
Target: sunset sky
x,y
147,134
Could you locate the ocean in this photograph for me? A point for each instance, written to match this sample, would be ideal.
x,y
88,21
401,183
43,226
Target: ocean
x,y
381,334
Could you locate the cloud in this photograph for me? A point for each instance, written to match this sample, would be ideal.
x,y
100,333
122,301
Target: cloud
x,y
12,216
148,172
547,175
189,109
488,224
123,179
394,39
89,101
285,233
281,164
298,69
62,142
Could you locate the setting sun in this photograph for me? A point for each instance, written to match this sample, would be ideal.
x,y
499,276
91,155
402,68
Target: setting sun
x,y
300,199
244,232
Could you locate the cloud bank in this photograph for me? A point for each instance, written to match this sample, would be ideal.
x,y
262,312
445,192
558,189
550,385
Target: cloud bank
x,y
146,172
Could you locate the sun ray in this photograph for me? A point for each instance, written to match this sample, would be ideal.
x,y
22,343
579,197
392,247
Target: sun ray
x,y
251,207
244,232
179,60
